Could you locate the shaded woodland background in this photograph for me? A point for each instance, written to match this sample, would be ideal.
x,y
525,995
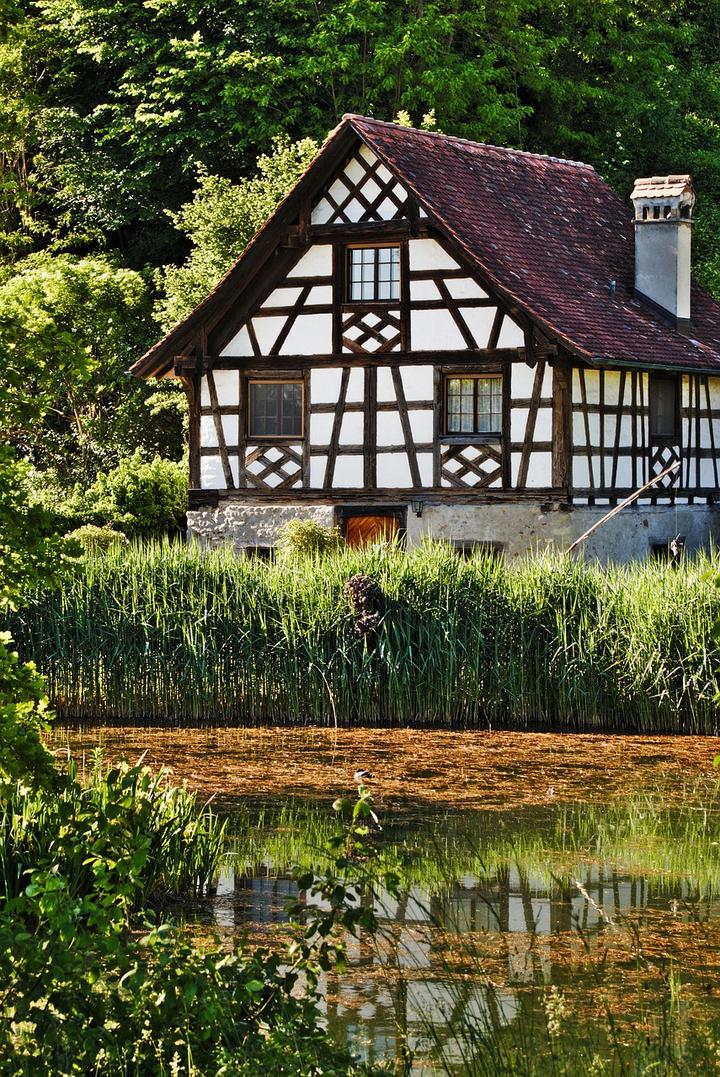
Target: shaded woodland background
x,y
142,144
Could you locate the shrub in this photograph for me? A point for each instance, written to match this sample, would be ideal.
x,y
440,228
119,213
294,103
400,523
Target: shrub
x,y
141,498
307,538
94,539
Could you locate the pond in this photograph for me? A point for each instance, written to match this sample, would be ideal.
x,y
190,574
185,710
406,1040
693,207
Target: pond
x,y
545,877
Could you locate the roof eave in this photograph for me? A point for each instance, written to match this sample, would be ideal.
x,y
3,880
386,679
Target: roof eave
x,y
159,360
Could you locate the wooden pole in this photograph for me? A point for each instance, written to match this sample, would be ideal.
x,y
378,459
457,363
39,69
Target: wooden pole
x,y
621,506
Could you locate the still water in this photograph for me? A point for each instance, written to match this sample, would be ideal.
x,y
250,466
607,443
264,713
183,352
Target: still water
x,y
589,864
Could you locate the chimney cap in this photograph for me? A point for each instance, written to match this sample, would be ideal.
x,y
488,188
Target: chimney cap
x,y
663,187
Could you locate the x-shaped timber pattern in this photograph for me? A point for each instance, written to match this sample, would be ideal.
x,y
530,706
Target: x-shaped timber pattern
x,y
372,331
281,464
472,462
370,192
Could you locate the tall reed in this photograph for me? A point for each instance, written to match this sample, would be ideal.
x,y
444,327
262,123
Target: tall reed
x,y
168,633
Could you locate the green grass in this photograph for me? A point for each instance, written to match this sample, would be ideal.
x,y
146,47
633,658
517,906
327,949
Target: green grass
x,y
167,633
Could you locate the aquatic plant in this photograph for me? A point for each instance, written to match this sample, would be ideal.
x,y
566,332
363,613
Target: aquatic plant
x,y
168,633
134,823
82,994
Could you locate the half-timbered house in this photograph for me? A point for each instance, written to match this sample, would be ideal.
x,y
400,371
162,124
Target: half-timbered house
x,y
441,337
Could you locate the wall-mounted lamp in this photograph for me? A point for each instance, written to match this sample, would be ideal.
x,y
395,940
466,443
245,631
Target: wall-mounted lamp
x,y
417,507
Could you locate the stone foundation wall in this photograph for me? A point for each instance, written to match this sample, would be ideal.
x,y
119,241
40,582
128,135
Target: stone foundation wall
x,y
526,528
243,524
521,529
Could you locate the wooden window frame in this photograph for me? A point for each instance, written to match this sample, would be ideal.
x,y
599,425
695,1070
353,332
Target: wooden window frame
x,y
375,301
467,436
674,437
253,380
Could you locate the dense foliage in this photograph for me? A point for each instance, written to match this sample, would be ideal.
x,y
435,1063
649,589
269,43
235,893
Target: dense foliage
x,y
171,633
83,991
130,136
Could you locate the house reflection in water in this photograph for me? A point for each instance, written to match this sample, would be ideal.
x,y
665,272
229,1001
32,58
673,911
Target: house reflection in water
x,y
525,926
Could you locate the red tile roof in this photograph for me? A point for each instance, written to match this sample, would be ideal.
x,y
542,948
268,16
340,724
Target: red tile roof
x,y
547,234
550,234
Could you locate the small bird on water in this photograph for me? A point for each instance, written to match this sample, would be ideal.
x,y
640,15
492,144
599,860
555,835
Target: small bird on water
x,y
361,776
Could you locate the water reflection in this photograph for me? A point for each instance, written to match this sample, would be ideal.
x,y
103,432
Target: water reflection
x,y
466,954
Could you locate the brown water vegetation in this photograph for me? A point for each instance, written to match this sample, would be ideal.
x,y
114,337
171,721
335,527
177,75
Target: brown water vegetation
x,y
461,770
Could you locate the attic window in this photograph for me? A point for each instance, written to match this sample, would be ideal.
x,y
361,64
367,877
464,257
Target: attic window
x,y
373,274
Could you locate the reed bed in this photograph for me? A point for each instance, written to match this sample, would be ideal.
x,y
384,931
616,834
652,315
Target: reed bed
x,y
167,633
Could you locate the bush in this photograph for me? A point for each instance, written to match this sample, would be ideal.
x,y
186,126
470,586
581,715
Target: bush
x,y
81,994
307,538
142,499
94,539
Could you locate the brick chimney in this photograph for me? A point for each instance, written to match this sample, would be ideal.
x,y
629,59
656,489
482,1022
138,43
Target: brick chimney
x,y
663,226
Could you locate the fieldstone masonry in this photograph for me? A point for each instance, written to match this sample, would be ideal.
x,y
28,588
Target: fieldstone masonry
x,y
521,529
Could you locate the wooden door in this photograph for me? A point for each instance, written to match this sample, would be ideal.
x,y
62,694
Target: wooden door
x,y
362,530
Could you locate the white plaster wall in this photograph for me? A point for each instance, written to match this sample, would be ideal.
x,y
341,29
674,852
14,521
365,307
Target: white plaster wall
x,y
348,472
267,331
418,382
208,433
321,427
479,321
389,428
212,476
423,289
322,212
240,344
522,380
428,254
311,334
316,262
227,386
352,428
465,288
354,171
425,467
393,470
281,297
612,386
518,423
707,474
543,425
325,385
318,466
385,386
578,429
511,335
422,425
714,387
356,386
540,469
434,330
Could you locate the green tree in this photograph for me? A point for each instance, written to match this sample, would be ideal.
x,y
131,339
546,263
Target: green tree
x,y
222,219
75,326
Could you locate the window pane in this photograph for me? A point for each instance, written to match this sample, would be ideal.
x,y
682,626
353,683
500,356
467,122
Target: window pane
x,y
473,405
663,407
275,409
374,274
291,422
489,404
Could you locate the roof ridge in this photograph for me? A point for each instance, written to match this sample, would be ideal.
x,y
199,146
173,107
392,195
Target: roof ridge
x,y
469,142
